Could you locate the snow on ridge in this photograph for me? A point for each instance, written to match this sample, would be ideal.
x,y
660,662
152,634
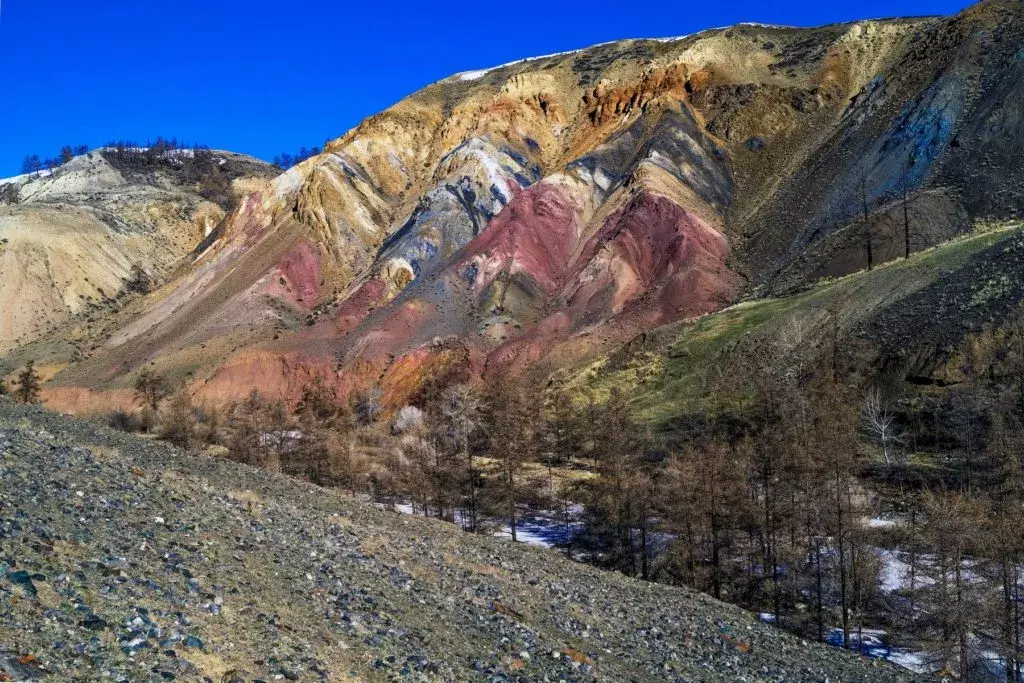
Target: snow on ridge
x,y
760,25
26,177
480,73
472,75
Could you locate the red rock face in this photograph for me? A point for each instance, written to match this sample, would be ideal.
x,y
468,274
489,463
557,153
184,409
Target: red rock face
x,y
356,307
273,374
82,401
519,353
296,277
652,262
656,250
534,235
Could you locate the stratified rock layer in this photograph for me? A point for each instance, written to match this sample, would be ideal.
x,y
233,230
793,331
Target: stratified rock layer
x,y
534,214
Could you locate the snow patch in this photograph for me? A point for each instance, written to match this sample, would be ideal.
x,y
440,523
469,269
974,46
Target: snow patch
x,y
26,177
760,25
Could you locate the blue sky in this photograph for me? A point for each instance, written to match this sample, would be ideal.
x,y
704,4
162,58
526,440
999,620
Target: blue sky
x,y
264,77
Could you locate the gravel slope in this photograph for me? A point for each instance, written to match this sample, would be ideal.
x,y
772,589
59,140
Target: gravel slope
x,y
123,559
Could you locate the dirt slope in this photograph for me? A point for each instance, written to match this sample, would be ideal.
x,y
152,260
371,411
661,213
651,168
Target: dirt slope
x,y
81,236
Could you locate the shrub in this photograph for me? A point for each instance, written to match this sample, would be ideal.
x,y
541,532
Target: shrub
x,y
179,422
123,421
409,418
10,194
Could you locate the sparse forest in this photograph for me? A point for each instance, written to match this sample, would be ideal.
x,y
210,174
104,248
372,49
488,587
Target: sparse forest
x,y
33,163
189,164
831,507
286,160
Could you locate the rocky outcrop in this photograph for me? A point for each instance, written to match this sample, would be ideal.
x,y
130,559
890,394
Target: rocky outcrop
x,y
84,237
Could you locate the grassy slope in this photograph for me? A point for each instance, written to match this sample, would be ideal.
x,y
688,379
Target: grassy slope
x,y
670,376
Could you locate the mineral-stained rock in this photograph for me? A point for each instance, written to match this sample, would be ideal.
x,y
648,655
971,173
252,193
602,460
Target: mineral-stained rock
x,y
541,212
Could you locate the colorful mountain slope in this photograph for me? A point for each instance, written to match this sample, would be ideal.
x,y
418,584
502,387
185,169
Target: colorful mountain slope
x,y
908,318
536,214
79,238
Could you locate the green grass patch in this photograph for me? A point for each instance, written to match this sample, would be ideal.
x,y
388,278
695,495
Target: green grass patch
x,y
678,375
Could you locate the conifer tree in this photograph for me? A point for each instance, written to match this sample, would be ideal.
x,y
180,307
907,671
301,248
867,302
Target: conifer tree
x,y
27,386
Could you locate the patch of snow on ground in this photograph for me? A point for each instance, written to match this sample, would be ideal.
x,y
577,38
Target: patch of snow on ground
x,y
542,531
873,643
918,662
473,75
895,573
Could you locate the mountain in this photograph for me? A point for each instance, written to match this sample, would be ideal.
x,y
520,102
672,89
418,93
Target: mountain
x,y
77,240
534,216
130,560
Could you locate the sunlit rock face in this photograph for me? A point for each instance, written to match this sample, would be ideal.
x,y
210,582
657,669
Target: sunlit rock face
x,y
76,239
524,217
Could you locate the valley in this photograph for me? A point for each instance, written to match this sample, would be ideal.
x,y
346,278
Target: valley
x,y
732,321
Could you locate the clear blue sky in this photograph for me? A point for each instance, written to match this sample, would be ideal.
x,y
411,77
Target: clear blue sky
x,y
264,77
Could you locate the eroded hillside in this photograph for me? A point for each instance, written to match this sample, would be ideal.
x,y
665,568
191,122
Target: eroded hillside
x,y
534,215
81,238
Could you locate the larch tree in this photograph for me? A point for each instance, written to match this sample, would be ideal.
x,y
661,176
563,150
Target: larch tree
x,y
28,384
511,430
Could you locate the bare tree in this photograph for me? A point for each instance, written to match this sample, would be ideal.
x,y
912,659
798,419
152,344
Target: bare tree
x,y
179,421
510,425
151,389
866,218
951,532
460,416
368,405
904,193
879,421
